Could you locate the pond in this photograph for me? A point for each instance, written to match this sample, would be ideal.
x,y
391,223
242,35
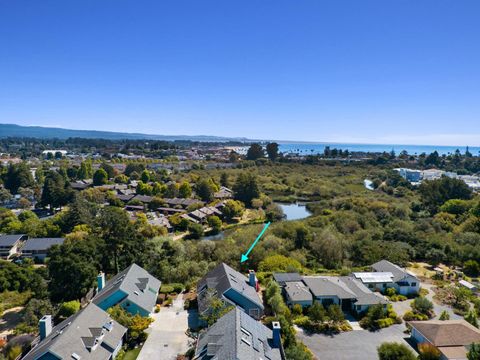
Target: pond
x,y
294,211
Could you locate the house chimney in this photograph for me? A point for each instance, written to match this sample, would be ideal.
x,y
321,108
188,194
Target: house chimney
x,y
100,281
45,326
277,339
252,279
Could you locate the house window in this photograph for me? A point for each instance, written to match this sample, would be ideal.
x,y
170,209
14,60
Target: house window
x,y
253,313
414,284
384,286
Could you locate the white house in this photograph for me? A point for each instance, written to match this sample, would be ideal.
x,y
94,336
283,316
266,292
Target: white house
x,y
405,282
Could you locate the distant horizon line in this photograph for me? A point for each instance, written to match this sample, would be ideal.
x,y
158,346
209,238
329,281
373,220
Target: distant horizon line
x,y
244,139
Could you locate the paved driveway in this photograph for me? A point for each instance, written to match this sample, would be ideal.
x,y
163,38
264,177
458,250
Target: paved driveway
x,y
167,337
352,345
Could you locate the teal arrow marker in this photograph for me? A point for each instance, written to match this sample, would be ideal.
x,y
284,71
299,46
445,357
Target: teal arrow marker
x,y
245,256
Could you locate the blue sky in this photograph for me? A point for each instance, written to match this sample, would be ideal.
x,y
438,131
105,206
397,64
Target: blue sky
x,y
313,70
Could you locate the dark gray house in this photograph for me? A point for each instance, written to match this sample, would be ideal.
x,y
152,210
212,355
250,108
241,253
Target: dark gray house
x,y
232,287
10,245
37,248
237,336
90,334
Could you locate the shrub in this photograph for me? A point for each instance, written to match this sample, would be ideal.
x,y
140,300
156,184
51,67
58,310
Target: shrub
x,y
422,305
444,315
411,316
297,309
69,308
394,351
390,292
166,289
428,352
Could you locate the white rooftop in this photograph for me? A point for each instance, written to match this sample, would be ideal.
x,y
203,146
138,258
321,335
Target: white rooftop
x,y
374,277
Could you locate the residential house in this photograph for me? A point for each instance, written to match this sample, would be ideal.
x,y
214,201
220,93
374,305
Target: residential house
x,y
468,285
169,211
296,292
37,248
134,289
375,280
451,337
237,336
283,278
223,193
10,245
232,287
345,291
143,198
405,282
364,297
89,334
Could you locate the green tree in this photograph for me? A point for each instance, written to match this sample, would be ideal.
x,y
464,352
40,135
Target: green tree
x,y
317,312
423,306
224,180
109,169
394,351
272,151
73,268
134,167
246,188
196,230
100,177
205,190
56,192
471,317
17,176
436,192
122,243
298,351
185,190
233,209
471,268
86,170
69,308
145,177
35,309
215,223
255,151
216,308
474,352
335,313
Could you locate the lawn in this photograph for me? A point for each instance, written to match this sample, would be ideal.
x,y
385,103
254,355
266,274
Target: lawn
x,y
132,354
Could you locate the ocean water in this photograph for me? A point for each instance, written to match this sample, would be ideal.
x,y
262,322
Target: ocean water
x,y
317,148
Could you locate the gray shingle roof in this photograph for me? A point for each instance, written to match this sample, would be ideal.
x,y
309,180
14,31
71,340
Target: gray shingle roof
x,y
363,294
298,291
38,244
10,240
283,278
236,336
221,279
328,286
387,266
80,331
139,285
